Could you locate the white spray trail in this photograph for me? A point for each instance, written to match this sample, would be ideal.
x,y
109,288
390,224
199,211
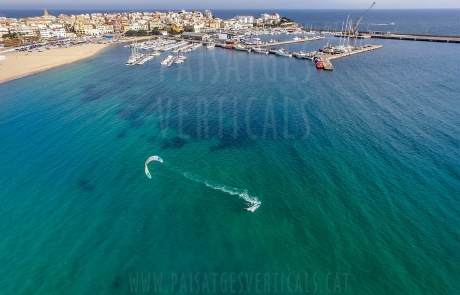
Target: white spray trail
x,y
242,193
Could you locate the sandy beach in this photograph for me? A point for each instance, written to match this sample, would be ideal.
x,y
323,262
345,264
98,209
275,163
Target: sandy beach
x,y
20,64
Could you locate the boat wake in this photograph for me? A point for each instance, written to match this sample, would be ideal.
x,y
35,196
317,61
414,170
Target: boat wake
x,y
242,193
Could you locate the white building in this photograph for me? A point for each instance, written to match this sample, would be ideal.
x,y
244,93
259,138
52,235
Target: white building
x,y
45,33
53,32
92,32
245,19
197,14
236,26
222,36
228,24
134,26
59,33
24,31
207,14
265,17
105,29
196,28
3,30
275,17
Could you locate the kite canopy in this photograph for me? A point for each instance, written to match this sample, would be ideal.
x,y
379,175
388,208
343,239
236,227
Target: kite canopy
x,y
150,159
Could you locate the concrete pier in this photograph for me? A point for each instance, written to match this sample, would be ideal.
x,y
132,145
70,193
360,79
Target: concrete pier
x,y
327,64
289,42
411,37
404,36
326,58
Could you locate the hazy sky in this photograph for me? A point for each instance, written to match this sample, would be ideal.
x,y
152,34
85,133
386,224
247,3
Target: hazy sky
x,y
235,4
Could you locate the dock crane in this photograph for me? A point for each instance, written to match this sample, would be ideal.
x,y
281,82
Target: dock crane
x,y
358,20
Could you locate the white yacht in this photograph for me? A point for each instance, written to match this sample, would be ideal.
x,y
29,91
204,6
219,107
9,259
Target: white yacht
x,y
167,60
210,45
131,61
301,55
240,47
283,52
134,57
260,50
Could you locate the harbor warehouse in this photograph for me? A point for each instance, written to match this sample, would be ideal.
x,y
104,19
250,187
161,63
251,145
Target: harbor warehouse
x,y
195,36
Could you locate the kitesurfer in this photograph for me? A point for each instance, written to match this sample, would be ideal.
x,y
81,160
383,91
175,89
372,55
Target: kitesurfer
x,y
150,159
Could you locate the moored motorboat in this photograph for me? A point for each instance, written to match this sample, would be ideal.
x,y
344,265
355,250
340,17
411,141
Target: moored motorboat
x,y
301,55
260,50
240,47
167,60
283,52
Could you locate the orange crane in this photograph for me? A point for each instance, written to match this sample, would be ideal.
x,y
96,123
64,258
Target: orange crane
x,y
358,20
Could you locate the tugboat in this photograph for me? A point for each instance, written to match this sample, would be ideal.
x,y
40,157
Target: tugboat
x,y
319,64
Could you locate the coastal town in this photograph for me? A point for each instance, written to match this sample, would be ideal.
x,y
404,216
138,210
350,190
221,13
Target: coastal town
x,y
184,27
16,31
33,44
25,43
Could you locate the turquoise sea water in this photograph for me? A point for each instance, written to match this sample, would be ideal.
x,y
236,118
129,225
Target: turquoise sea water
x,y
357,171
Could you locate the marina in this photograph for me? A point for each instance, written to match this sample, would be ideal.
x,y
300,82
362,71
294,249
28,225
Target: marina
x,y
248,40
324,55
155,47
